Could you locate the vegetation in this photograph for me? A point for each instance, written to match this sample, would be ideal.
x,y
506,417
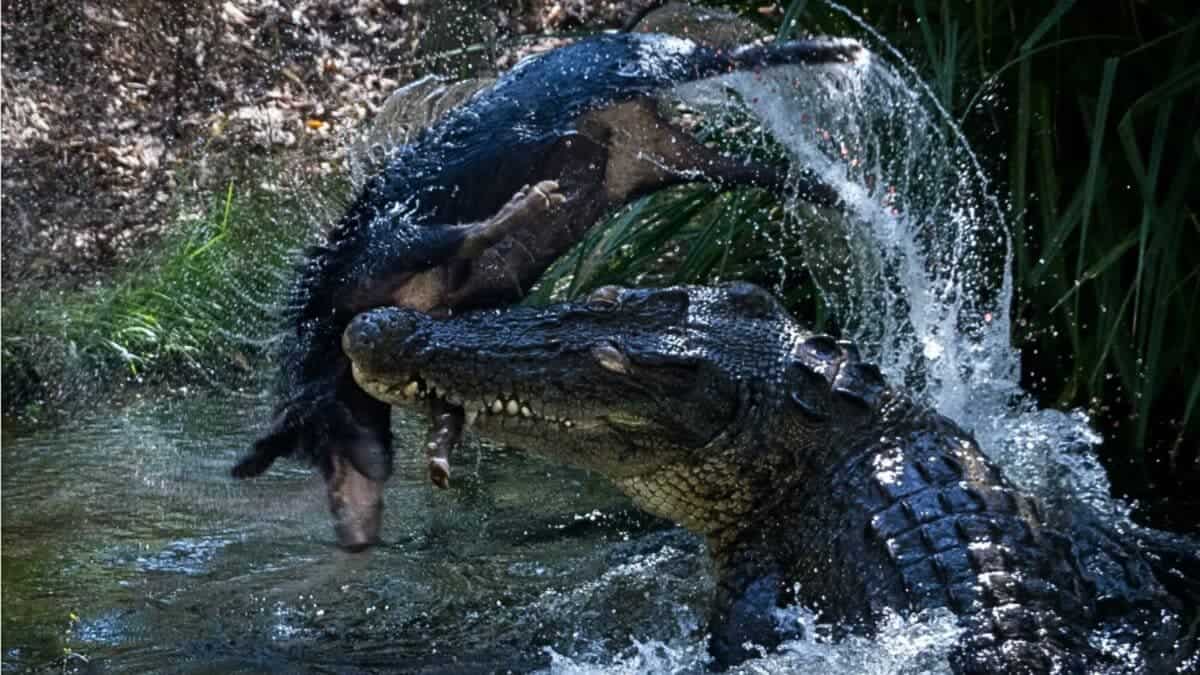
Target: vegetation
x,y
1086,113
200,308
1098,128
1093,111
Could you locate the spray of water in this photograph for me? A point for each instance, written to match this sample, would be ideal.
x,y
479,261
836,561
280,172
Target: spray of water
x,y
916,264
914,644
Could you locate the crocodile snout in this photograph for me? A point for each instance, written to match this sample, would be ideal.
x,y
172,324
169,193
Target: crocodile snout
x,y
379,332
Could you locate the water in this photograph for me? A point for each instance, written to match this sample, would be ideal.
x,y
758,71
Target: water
x,y
127,549
917,265
126,544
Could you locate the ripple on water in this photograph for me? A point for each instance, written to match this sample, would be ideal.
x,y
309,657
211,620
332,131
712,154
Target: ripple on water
x,y
126,544
183,556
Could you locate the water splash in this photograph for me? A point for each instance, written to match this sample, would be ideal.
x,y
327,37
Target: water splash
x,y
915,644
916,264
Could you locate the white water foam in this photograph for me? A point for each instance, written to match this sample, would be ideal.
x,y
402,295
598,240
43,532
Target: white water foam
x,y
916,644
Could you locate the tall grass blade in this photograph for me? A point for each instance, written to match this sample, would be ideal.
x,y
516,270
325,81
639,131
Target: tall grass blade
x,y
791,17
1047,24
1093,171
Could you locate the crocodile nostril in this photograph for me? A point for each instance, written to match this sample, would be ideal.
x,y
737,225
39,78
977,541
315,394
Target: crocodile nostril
x,y
611,358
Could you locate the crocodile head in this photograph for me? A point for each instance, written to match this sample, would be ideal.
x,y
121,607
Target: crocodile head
x,y
647,386
811,480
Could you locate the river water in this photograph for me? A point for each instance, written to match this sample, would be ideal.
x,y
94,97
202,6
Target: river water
x,y
126,544
127,549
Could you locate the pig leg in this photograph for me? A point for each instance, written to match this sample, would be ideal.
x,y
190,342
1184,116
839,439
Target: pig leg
x,y
445,433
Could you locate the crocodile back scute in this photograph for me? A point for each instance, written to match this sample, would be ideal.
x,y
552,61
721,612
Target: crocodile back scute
x,y
958,535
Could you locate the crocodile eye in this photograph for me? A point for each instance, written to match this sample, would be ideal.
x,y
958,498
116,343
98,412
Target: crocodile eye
x,y
605,297
810,393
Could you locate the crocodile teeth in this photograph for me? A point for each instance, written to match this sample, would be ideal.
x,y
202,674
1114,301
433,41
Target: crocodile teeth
x,y
500,404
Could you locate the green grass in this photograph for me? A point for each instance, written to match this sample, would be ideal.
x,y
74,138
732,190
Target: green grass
x,y
198,308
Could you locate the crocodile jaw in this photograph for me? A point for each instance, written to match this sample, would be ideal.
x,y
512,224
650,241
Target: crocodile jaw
x,y
487,410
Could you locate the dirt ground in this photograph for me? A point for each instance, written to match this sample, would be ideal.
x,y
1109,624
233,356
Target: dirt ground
x,y
111,109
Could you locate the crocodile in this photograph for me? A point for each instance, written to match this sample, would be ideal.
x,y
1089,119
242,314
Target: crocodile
x,y
469,215
812,480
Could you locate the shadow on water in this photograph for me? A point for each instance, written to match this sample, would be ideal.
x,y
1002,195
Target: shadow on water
x,y
126,548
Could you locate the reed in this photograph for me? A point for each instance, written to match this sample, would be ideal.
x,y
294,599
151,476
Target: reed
x,y
1102,150
1088,114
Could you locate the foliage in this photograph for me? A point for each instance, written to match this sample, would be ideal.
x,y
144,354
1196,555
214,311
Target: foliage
x,y
683,235
1102,153
1093,109
199,308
